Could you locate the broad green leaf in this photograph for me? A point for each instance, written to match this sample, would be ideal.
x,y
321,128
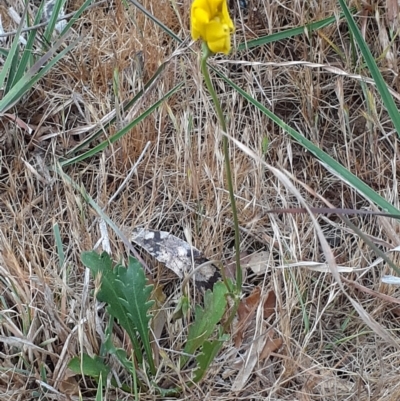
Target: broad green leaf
x,y
137,292
206,319
95,368
110,293
92,367
127,295
209,351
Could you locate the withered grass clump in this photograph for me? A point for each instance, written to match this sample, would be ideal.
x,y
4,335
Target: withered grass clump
x,y
48,314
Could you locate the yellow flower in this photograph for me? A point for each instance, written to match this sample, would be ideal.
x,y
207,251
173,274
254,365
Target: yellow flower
x,y
211,22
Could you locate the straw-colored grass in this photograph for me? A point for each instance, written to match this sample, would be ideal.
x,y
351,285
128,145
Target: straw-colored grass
x,y
48,314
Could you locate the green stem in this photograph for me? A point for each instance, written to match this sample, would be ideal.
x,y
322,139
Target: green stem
x,y
225,144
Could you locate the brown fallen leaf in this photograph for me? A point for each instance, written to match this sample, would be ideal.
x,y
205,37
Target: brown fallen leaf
x,y
250,361
269,304
246,311
271,345
12,117
159,320
69,385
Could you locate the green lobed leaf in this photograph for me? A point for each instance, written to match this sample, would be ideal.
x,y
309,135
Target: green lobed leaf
x,y
127,295
209,351
206,319
92,367
133,284
110,293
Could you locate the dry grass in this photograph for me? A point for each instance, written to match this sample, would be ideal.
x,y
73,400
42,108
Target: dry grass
x,y
47,314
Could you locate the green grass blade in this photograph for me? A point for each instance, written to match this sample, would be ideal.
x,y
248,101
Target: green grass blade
x,y
112,120
59,245
27,55
76,15
96,208
33,75
99,393
306,320
4,52
373,68
12,71
375,248
103,145
288,33
48,33
13,52
156,21
327,161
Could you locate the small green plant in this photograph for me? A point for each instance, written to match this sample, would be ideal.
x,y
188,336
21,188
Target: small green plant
x,y
127,294
26,64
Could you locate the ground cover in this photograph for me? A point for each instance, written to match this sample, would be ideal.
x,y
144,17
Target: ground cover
x,y
300,334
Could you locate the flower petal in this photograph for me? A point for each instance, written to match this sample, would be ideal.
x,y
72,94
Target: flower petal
x,y
218,37
211,22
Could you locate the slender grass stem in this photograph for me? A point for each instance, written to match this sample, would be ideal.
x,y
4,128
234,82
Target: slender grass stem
x,y
225,143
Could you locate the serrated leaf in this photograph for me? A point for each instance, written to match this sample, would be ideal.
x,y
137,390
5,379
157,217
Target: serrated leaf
x,y
137,293
92,367
127,295
205,358
206,319
109,348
